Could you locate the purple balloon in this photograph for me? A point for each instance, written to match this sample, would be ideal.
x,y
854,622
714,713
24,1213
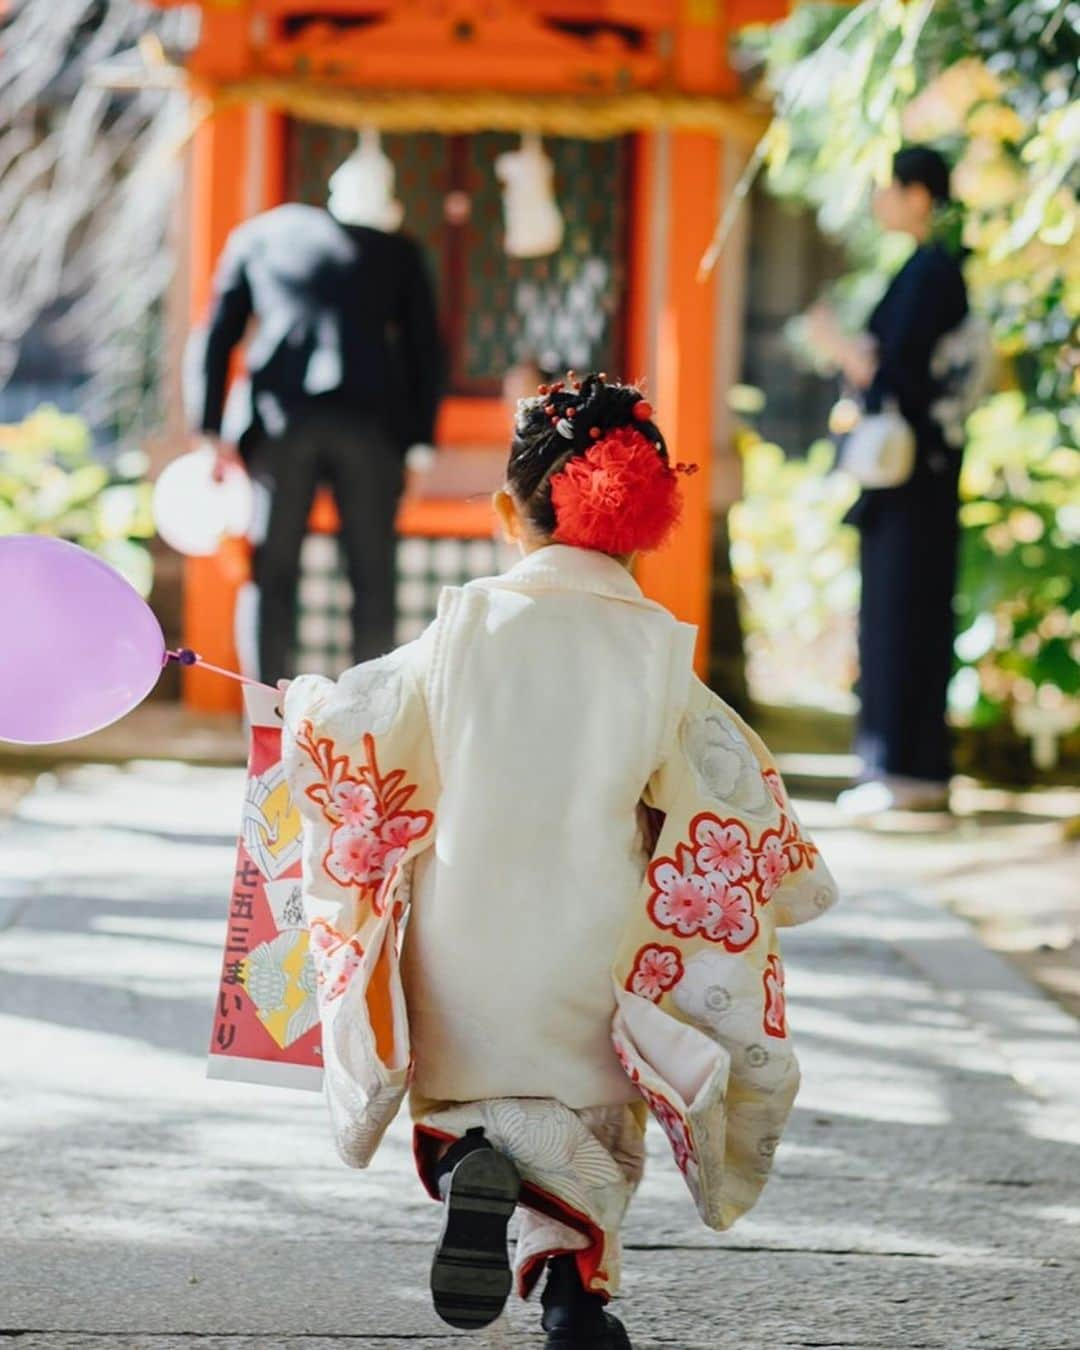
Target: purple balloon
x,y
79,647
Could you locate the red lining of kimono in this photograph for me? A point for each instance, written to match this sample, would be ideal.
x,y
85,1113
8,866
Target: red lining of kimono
x,y
589,1261
425,1157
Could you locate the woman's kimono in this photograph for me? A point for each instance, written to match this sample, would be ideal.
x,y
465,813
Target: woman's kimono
x,y
487,937
909,535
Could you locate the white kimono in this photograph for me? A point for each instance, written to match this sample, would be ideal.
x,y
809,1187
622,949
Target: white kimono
x,y
486,801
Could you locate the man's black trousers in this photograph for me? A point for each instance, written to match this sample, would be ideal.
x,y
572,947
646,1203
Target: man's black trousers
x,y
355,456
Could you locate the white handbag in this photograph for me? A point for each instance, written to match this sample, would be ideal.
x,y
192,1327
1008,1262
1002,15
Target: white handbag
x,y
880,451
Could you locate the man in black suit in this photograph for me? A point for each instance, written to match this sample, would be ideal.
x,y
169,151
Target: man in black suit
x,y
345,365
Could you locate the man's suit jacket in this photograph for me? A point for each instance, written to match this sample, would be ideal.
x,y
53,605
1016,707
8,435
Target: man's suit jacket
x,y
344,314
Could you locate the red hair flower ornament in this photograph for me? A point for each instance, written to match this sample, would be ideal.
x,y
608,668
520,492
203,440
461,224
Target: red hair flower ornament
x,y
619,497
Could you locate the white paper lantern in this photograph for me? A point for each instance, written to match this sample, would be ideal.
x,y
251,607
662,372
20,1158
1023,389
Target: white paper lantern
x,y
193,512
362,189
534,223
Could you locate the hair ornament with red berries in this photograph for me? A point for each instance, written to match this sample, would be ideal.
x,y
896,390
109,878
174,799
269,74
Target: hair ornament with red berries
x,y
589,466
620,496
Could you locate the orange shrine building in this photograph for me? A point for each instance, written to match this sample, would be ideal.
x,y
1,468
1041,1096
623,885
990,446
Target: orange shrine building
x,y
643,120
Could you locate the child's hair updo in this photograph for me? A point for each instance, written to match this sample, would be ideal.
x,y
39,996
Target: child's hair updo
x,y
589,467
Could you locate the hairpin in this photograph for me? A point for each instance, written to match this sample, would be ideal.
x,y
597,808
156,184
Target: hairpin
x,y
565,428
642,410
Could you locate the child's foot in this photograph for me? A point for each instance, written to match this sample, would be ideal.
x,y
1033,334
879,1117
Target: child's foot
x,y
575,1319
470,1275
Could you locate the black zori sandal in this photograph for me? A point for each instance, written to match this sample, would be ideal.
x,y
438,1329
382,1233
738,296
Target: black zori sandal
x,y
573,1318
470,1275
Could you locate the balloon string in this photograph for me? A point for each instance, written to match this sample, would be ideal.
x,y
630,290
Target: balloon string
x,y
186,657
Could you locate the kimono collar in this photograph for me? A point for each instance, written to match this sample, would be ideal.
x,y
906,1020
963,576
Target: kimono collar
x,y
560,568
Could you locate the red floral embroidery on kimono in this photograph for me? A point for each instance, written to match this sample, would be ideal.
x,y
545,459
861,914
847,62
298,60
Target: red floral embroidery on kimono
x,y
372,829
674,1126
336,957
724,848
775,784
690,899
771,866
657,970
323,938
671,1120
715,881
775,998
800,852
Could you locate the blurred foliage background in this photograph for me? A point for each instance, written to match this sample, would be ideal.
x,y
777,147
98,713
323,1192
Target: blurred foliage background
x,y
51,482
91,160
993,84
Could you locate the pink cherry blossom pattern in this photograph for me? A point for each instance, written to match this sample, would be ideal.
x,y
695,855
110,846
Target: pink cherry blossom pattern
x,y
773,865
722,846
372,831
700,891
775,998
682,901
356,805
674,1126
657,970
323,938
398,832
736,925
343,965
671,1120
355,856
394,837
629,1068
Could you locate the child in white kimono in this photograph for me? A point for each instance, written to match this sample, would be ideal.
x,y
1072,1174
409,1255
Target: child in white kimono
x,y
544,868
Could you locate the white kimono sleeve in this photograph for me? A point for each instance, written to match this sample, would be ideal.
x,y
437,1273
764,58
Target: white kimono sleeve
x,y
360,765
701,1025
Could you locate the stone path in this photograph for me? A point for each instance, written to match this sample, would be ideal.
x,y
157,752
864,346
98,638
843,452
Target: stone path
x,y
927,1194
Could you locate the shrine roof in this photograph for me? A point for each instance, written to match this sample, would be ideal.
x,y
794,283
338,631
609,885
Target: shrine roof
x,y
578,47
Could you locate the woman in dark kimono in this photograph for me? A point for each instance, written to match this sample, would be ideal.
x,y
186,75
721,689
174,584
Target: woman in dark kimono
x,y
909,534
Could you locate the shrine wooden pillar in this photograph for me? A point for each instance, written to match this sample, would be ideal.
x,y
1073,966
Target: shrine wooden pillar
x,y
238,167
685,168
679,329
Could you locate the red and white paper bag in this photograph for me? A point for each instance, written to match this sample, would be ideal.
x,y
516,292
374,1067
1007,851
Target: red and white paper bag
x,y
266,1022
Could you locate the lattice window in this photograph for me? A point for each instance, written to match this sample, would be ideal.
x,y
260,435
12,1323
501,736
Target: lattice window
x,y
565,309
323,643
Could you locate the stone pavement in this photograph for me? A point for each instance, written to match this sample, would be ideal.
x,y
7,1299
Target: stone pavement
x,y
927,1194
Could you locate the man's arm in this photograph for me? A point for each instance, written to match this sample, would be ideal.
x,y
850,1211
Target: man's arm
x,y
231,309
421,346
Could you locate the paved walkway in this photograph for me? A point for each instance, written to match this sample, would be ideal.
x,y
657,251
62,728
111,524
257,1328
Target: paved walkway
x,y
927,1194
